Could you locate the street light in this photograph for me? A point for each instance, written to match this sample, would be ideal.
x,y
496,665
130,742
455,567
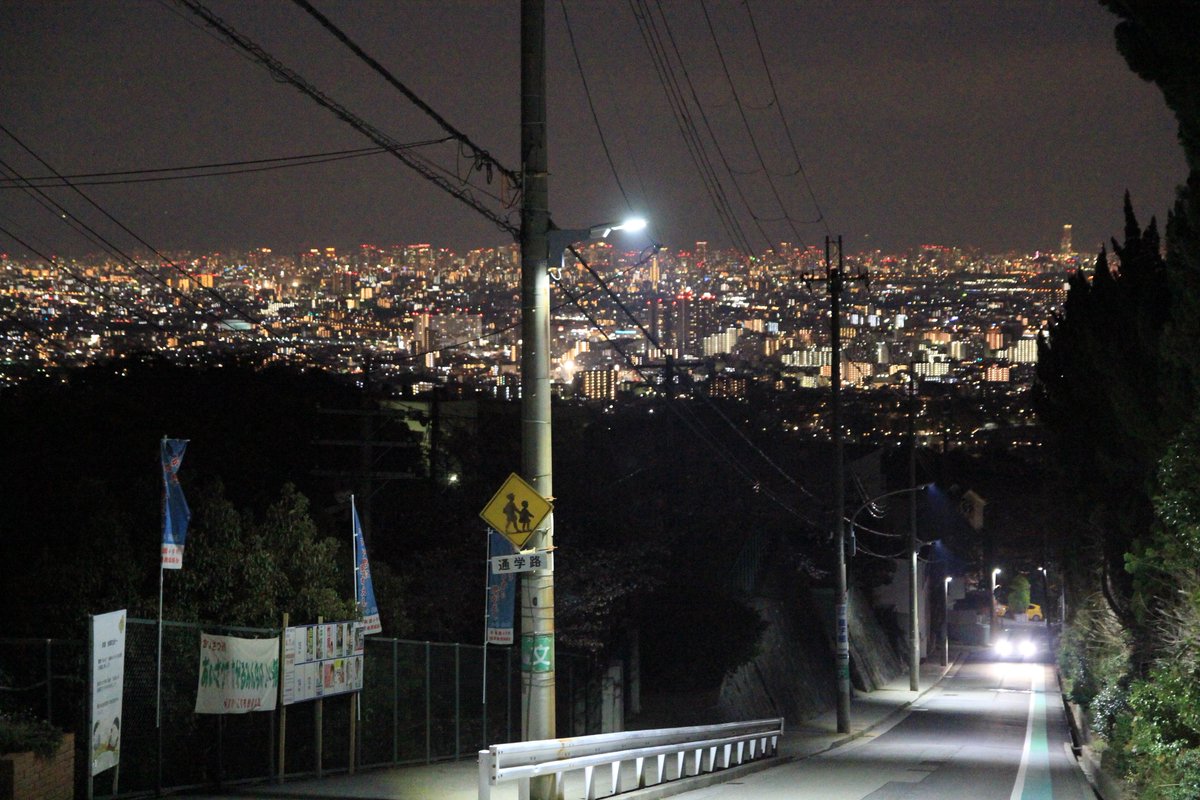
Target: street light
x,y
992,599
559,239
914,629
1045,593
537,595
946,621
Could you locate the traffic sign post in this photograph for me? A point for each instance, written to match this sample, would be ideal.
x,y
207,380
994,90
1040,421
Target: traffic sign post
x,y
516,511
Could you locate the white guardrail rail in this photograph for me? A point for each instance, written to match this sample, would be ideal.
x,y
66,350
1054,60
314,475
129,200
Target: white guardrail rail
x,y
695,750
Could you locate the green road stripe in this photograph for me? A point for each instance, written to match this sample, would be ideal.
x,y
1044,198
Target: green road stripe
x,y
1037,774
1033,776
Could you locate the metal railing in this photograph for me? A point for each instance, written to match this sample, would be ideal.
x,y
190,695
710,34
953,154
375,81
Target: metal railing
x,y
688,751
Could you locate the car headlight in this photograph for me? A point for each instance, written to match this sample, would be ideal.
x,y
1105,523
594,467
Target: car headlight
x,y
1004,647
1028,648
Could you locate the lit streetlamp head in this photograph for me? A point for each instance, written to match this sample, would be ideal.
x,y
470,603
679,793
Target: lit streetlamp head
x,y
948,579
632,225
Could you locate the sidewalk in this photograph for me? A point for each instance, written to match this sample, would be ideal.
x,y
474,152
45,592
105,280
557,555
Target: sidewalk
x,y
458,780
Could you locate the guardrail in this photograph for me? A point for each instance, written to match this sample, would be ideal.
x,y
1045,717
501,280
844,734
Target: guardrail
x,y
694,751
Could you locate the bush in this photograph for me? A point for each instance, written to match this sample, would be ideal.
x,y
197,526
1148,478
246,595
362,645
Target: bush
x,y
20,733
1109,703
1162,755
1093,653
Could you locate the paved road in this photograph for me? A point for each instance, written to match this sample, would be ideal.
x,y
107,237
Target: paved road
x,y
993,729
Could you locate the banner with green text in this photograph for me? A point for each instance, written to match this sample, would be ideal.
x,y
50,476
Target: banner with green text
x,y
237,675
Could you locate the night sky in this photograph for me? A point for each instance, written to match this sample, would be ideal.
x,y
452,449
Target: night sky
x,y
958,123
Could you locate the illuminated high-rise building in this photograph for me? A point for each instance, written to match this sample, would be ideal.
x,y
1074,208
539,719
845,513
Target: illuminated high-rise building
x,y
599,384
1065,247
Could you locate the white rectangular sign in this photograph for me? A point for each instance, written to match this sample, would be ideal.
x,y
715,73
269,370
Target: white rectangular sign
x,y
107,684
322,660
522,562
237,675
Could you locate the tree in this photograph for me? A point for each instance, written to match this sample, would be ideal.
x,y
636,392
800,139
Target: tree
x,y
1100,371
242,570
1018,595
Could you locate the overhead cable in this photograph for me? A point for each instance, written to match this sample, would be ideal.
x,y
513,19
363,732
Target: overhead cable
x,y
289,76
229,304
749,129
483,159
159,174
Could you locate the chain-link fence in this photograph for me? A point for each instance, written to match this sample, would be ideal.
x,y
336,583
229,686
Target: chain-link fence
x,y
421,702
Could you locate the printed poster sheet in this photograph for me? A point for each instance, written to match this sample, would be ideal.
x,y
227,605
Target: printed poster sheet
x,y
322,660
108,683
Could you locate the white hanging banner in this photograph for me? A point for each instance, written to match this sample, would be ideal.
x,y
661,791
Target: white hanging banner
x,y
237,675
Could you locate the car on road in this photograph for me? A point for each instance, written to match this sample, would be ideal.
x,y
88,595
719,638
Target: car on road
x,y
1034,613
1013,646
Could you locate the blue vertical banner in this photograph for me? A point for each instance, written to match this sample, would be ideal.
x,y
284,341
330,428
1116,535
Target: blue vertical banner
x,y
175,511
501,594
364,589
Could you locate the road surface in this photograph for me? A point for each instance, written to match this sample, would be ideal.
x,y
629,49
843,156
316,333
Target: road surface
x,y
992,730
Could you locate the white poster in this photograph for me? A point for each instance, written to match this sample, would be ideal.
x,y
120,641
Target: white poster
x,y
322,660
107,683
237,675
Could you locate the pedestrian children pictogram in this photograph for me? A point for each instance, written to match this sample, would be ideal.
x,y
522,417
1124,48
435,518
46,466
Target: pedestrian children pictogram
x,y
516,510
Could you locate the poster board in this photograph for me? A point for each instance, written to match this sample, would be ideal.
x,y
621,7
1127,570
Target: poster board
x,y
322,660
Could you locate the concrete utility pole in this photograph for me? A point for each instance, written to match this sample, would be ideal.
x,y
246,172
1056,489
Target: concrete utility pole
x,y
537,587
836,279
914,625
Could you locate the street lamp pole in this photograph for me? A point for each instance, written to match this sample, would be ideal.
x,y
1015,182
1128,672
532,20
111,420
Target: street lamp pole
x,y
915,656
914,624
946,621
992,599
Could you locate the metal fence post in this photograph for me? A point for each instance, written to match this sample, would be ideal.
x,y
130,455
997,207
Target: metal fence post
x,y
428,704
49,683
508,694
457,692
395,701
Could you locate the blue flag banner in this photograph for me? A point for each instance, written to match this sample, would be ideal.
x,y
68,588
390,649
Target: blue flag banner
x,y
364,589
174,508
501,595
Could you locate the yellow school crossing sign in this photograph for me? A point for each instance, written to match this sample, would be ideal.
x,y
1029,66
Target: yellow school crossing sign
x,y
516,511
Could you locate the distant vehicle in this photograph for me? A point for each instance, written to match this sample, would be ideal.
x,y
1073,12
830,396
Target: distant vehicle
x,y
1012,648
1034,613
1001,610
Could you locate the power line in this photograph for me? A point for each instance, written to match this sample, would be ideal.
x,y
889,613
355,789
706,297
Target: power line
x,y
158,174
660,60
79,277
746,123
693,424
210,291
483,159
592,106
90,233
709,128
287,75
783,120
657,345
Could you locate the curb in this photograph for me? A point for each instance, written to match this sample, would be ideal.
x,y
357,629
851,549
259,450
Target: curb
x,y
680,785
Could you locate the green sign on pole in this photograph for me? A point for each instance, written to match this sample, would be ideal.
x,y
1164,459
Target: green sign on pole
x,y
537,652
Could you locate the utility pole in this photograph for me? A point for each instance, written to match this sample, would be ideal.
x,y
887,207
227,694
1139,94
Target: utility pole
x,y
914,625
835,278
537,587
